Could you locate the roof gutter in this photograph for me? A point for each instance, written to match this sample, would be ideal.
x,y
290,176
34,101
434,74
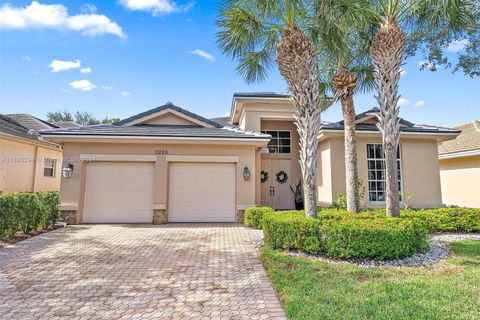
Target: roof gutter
x,y
152,138
45,144
460,154
455,133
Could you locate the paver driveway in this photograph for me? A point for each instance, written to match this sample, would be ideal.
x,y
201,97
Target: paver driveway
x,y
137,272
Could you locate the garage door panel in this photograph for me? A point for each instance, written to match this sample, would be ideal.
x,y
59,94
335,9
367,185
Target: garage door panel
x,y
202,192
119,193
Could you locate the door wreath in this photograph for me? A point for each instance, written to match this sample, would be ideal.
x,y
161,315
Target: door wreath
x,y
282,176
263,176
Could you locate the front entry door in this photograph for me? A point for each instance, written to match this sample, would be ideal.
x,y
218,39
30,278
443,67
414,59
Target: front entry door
x,y
274,193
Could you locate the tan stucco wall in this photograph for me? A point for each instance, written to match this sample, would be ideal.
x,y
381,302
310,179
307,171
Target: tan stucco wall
x,y
170,119
21,167
253,113
324,174
420,170
72,190
460,180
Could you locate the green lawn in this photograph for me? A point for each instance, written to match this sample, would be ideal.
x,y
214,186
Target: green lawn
x,y
321,290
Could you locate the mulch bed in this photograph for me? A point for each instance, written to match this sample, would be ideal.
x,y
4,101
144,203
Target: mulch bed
x,y
23,236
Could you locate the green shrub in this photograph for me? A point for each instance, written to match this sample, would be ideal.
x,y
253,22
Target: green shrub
x,y
254,216
292,230
383,238
436,220
446,219
27,211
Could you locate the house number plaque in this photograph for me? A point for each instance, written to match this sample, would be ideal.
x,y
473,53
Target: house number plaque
x,y
162,152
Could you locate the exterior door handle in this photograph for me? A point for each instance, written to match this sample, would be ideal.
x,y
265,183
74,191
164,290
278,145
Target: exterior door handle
x,y
273,189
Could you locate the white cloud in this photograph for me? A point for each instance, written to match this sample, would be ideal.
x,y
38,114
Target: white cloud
x,y
457,45
55,16
156,7
403,72
104,87
61,65
125,93
88,8
226,114
403,102
420,104
86,70
203,54
83,85
26,58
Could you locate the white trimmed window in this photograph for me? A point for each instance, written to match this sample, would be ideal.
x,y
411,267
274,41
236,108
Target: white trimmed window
x,y
49,167
376,173
280,142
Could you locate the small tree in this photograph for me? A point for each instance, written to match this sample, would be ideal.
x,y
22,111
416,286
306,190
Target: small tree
x,y
82,118
59,116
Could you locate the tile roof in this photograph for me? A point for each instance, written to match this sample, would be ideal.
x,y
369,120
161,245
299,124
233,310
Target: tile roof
x,y
160,131
467,140
407,125
31,122
166,106
10,126
224,121
67,124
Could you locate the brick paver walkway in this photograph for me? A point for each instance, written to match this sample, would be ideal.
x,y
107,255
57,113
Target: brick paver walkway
x,y
189,271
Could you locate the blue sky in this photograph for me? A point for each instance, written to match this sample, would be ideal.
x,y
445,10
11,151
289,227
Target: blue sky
x,y
119,58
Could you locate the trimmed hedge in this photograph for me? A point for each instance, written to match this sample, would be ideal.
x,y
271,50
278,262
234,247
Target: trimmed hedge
x,y
382,239
27,211
446,219
254,216
435,220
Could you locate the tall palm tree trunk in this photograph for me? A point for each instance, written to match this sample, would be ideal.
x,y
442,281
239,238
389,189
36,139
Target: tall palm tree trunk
x,y
344,83
297,60
387,52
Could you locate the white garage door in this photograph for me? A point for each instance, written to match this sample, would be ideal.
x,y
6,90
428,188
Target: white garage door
x,y
119,193
202,192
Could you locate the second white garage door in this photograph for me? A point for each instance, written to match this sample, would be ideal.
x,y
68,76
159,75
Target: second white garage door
x,y
201,192
119,193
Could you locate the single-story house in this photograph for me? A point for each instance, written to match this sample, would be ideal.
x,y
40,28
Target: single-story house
x,y
27,162
460,167
170,165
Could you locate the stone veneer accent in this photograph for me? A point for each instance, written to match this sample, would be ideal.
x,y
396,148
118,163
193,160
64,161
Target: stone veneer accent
x,y
240,216
159,216
69,216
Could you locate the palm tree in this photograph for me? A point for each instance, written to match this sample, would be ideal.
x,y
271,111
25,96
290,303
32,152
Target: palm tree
x,y
344,83
258,32
346,66
387,52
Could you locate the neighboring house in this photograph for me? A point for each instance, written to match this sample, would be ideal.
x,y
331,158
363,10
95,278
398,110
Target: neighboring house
x,y
170,165
31,123
460,167
27,163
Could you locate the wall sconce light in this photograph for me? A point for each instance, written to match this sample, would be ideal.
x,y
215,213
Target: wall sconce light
x,y
246,174
67,170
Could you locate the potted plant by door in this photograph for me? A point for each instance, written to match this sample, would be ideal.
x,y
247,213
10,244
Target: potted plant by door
x,y
297,195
